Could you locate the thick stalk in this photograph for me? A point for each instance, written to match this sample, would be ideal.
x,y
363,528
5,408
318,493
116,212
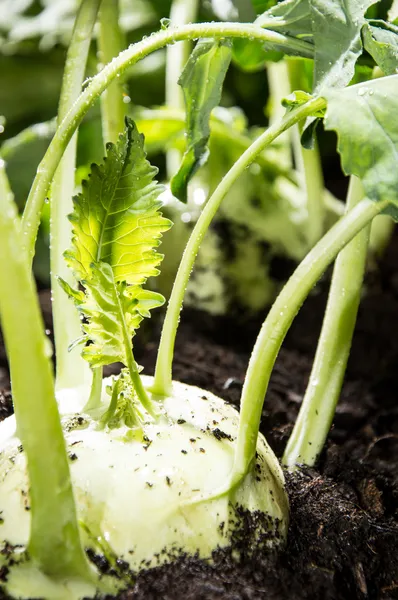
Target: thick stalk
x,y
278,321
181,13
127,58
324,387
71,371
111,43
54,534
163,372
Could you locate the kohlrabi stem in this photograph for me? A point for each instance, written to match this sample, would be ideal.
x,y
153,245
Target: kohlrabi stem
x,y
181,13
71,370
127,58
54,535
111,43
94,400
163,372
279,88
307,162
324,387
380,235
279,320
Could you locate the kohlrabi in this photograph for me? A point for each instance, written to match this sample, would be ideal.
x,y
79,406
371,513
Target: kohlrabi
x,y
142,469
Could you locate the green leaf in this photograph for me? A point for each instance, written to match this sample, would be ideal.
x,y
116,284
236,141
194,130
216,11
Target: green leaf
x,y
201,81
116,229
381,41
114,311
116,218
334,27
337,28
363,117
291,17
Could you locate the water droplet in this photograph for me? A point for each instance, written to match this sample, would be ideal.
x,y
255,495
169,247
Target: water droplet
x,y
1,128
126,99
46,200
362,91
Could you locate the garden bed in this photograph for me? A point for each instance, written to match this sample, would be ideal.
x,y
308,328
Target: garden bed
x,y
343,533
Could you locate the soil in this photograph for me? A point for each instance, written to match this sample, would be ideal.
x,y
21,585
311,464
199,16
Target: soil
x,y
343,535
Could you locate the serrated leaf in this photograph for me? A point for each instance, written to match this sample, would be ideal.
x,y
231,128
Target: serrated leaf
x,y
114,311
381,41
116,229
362,116
116,218
201,81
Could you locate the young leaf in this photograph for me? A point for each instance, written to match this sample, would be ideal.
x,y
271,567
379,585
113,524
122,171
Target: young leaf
x,y
116,229
381,41
116,218
362,116
201,81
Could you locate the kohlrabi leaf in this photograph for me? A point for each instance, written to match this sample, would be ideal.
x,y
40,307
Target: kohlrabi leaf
x,y
291,17
333,26
381,41
116,229
113,312
201,81
363,117
116,218
337,28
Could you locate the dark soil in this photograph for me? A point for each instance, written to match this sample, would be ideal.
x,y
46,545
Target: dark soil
x,y
343,536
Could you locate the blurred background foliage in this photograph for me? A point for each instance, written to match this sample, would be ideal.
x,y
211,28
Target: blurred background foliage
x,y
261,230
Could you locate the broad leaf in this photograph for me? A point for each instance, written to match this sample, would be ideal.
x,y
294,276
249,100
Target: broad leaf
x,y
381,41
291,17
201,81
337,28
116,218
333,26
114,311
363,117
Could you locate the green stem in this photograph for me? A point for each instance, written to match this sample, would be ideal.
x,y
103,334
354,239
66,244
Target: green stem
x,y
111,43
308,163
279,320
127,58
380,235
71,371
279,88
94,400
54,535
219,129
181,13
324,387
163,373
